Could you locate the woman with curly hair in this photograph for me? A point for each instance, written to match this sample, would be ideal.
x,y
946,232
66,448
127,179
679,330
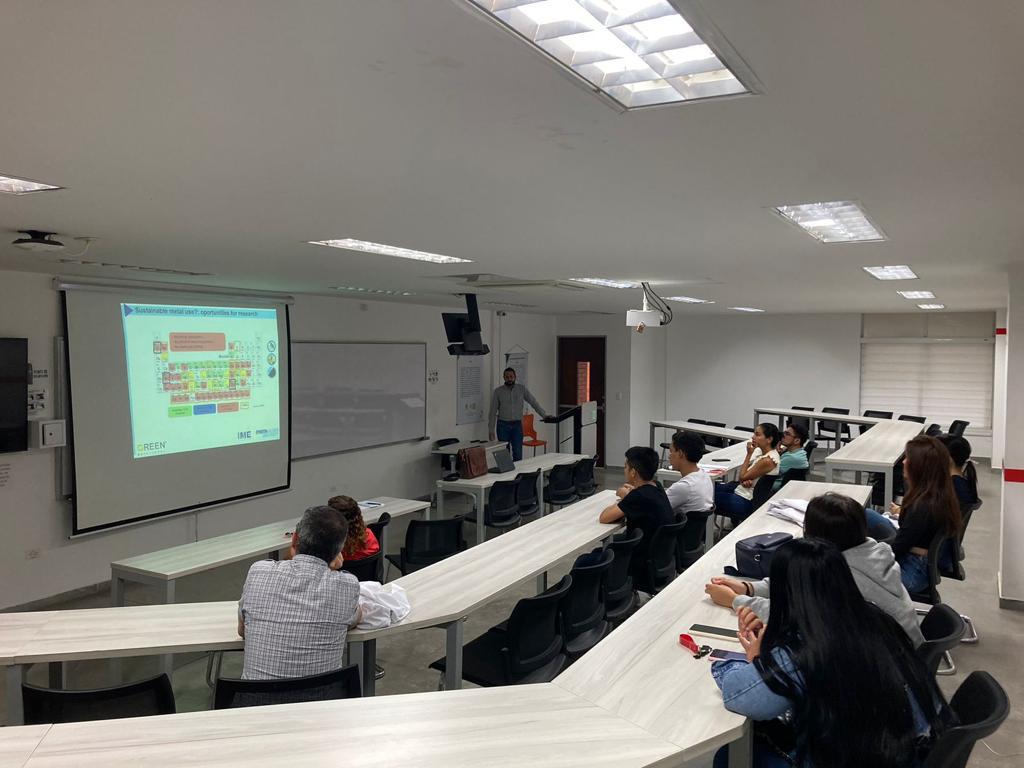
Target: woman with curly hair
x,y
361,543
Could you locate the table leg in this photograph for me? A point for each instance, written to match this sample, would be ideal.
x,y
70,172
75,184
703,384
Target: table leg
x,y
857,477
481,500
167,660
889,489
652,434
453,655
56,672
540,493
368,666
542,582
440,504
15,677
828,472
116,590
741,751
709,533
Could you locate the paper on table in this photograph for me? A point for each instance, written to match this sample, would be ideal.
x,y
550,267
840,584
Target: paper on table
x,y
792,510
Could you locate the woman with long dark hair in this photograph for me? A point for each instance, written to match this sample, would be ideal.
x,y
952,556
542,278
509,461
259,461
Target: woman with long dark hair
x,y
840,670
736,500
929,507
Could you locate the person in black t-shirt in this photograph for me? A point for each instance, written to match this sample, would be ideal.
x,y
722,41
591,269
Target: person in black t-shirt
x,y
643,503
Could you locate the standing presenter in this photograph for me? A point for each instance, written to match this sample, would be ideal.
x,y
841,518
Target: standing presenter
x,y
507,408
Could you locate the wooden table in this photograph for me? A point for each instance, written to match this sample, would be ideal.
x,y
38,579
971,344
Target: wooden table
x,y
641,673
483,574
494,727
681,425
478,487
448,452
18,744
877,450
816,416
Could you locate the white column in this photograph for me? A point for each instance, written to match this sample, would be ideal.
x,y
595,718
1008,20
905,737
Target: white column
x,y
999,392
1011,555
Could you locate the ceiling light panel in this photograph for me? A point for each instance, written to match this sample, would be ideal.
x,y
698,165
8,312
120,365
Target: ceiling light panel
x,y
688,300
11,185
839,221
378,291
916,294
897,272
641,53
605,283
932,306
747,309
390,250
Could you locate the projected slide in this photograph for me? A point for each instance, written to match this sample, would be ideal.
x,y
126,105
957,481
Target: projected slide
x,y
200,377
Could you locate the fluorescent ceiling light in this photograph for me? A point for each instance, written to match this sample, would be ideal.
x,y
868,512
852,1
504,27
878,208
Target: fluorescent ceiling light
x,y
12,185
747,309
840,221
916,294
688,300
898,272
390,250
641,53
381,291
932,306
604,283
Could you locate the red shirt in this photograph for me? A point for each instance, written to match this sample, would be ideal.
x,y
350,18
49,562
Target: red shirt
x,y
370,547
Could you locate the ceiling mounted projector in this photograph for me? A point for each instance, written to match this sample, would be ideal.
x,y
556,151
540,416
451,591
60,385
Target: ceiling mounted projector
x,y
38,240
655,311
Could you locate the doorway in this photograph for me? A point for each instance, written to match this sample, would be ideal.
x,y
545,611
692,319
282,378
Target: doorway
x,y
581,377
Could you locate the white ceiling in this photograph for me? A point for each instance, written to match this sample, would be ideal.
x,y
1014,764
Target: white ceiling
x,y
219,137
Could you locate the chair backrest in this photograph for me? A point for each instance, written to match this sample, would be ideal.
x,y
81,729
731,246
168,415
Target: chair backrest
x,y
874,415
690,540
430,541
147,697
906,417
934,430
560,479
528,429
763,489
583,606
618,582
341,683
809,450
801,408
528,501
942,628
445,441
716,423
661,557
583,477
502,502
379,525
697,421
368,568
534,632
931,593
981,705
833,426
793,474
957,427
744,429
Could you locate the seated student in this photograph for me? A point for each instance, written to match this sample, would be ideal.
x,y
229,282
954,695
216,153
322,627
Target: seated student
x,y
838,668
791,451
694,491
294,614
642,502
736,500
965,476
360,543
929,506
839,520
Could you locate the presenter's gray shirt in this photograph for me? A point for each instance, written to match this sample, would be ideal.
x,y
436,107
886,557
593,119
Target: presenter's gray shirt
x,y
507,403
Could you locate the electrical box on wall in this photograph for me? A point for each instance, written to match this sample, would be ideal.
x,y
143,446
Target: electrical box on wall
x,y
47,434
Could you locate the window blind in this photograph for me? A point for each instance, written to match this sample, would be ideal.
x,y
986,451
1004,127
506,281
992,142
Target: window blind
x,y
940,381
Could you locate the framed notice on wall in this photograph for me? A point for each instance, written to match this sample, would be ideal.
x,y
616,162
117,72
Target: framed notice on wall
x,y
469,390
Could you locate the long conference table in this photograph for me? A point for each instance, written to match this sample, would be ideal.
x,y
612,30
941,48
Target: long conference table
x,y
816,416
877,450
708,430
636,699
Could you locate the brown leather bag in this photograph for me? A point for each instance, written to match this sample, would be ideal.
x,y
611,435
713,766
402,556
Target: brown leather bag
x,y
471,462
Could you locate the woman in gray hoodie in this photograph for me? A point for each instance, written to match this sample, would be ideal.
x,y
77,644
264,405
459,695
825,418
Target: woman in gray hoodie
x,y
840,520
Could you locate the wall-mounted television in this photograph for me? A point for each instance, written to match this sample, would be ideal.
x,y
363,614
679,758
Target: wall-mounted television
x,y
13,395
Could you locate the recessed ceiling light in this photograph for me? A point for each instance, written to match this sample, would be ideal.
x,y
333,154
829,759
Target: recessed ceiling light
x,y
605,283
12,185
932,306
390,250
839,221
747,309
688,300
916,294
380,291
898,272
640,53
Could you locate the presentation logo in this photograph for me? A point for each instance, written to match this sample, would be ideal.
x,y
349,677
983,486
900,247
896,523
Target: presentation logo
x,y
247,435
150,447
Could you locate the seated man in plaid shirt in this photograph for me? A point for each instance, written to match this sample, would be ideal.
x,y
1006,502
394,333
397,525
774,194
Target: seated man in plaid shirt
x,y
294,614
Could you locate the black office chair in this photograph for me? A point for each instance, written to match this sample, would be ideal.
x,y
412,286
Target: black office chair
x,y
690,543
697,421
428,542
762,492
875,415
660,567
956,571
833,430
528,648
619,592
147,697
583,609
957,428
367,568
809,450
934,430
942,628
803,421
501,510
561,487
714,441
741,428
918,419
232,693
583,477
529,502
792,474
377,527
981,706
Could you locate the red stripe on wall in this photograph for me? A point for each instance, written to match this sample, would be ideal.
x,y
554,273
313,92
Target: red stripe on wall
x,y
1013,475
1000,331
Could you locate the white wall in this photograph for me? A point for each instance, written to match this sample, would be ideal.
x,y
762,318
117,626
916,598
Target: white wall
x,y
720,367
1011,521
38,560
999,393
648,369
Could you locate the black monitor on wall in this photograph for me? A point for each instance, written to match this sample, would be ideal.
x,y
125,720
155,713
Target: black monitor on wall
x,y
13,395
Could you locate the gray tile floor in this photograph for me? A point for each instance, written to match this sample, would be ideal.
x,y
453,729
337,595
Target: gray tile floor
x,y
406,656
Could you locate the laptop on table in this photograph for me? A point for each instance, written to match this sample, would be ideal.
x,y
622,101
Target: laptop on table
x,y
504,461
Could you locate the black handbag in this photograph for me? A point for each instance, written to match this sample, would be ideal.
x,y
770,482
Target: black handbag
x,y
754,555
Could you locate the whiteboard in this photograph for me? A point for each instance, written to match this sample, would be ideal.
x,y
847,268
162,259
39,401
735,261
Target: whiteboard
x,y
349,395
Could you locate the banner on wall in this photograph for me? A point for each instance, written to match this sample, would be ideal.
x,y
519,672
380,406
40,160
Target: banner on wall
x,y
519,362
469,390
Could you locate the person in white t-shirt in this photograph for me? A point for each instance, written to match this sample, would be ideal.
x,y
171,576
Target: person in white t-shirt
x,y
736,500
694,491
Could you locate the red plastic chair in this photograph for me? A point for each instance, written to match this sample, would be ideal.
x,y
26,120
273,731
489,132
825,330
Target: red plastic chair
x,y
530,435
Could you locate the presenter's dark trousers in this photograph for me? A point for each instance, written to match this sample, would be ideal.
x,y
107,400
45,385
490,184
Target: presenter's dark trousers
x,y
511,432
